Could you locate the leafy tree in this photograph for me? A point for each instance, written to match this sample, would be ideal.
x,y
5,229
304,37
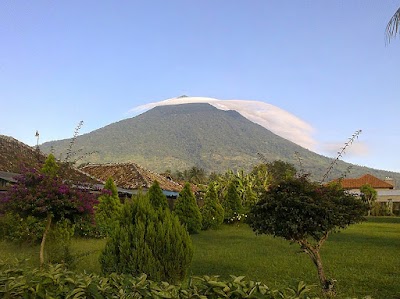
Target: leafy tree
x,y
108,209
187,210
46,196
150,241
232,204
392,28
306,213
157,197
212,211
279,170
368,195
261,179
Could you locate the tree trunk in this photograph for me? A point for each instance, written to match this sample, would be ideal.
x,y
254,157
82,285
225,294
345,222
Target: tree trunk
x,y
326,284
46,231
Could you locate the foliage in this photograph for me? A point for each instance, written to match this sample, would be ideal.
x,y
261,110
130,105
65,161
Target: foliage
x,y
392,28
157,197
368,195
50,167
275,171
59,243
108,210
15,228
47,196
232,204
36,194
148,241
58,282
187,210
380,209
212,211
304,212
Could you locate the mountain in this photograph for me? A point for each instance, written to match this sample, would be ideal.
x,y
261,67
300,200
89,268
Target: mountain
x,y
178,137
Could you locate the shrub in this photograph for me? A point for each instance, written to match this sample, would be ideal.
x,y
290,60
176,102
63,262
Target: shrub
x,y
187,210
148,241
157,197
232,203
212,211
15,228
58,282
108,210
59,243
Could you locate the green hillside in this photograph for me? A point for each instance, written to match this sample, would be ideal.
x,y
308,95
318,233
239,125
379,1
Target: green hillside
x,y
181,136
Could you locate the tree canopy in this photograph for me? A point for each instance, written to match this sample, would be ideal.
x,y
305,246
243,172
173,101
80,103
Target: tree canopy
x,y
45,195
304,212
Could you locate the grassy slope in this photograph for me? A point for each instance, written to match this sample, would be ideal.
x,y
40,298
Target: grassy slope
x,y
364,258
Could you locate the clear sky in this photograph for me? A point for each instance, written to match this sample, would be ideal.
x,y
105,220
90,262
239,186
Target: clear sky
x,y
325,62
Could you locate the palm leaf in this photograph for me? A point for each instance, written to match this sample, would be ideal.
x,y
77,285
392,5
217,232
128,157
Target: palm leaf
x,y
392,28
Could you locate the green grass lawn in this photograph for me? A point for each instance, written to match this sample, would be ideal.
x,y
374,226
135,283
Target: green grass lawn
x,y
364,259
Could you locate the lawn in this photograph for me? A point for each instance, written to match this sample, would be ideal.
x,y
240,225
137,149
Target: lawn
x,y
364,259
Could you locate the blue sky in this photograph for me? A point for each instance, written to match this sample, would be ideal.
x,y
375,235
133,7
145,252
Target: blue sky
x,y
325,62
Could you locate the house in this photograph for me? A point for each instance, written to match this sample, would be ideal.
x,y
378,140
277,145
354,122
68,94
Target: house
x,y
132,178
7,179
387,194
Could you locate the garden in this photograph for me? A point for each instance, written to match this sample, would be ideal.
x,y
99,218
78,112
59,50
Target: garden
x,y
252,237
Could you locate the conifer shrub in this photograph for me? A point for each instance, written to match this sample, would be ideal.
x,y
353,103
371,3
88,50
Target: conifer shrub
x,y
212,211
150,241
157,197
188,211
232,204
59,244
108,210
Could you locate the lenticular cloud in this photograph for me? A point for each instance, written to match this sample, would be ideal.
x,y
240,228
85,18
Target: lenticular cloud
x,y
276,120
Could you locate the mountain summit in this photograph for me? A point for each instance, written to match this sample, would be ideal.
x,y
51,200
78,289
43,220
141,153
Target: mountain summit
x,y
177,137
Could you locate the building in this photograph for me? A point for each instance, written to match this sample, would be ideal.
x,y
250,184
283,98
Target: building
x,y
387,194
132,178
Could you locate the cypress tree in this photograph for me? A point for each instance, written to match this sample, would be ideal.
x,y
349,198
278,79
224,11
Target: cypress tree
x,y
187,210
150,241
212,211
157,197
108,210
232,204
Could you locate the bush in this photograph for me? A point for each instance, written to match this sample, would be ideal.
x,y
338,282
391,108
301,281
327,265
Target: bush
x,y
187,210
148,241
15,228
212,211
108,210
57,282
232,203
59,243
157,197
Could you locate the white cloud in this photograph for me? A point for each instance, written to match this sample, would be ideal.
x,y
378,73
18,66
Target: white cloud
x,y
275,119
356,149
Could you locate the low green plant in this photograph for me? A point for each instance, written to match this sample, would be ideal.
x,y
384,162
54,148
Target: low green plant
x,y
55,281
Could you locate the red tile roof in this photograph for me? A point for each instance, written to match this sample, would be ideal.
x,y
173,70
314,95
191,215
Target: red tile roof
x,y
365,179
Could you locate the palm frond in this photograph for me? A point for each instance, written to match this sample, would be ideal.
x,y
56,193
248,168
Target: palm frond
x,y
392,28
